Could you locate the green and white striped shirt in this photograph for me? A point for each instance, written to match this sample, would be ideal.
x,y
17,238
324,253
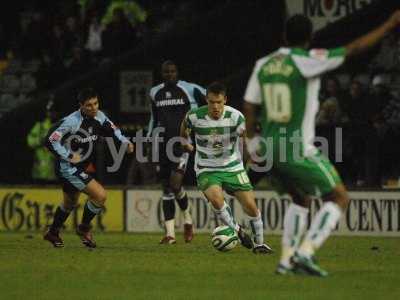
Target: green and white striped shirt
x,y
217,141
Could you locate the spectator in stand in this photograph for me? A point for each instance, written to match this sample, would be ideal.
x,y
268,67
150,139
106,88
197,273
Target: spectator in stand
x,y
43,169
3,50
119,35
355,107
94,43
134,13
78,64
377,138
329,113
330,117
58,47
388,57
385,122
33,39
51,70
331,90
73,35
391,114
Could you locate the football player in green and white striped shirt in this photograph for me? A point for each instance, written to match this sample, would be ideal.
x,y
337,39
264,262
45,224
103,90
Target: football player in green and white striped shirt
x,y
286,85
218,162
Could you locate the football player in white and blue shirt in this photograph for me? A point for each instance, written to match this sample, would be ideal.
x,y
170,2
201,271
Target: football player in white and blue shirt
x,y
170,101
72,140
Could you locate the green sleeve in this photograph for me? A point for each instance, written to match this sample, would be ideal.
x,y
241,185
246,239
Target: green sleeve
x,y
189,123
337,52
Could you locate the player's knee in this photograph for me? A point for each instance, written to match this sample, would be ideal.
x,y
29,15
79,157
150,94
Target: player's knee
x,y
217,201
342,199
100,198
176,189
252,211
68,206
339,196
175,186
69,203
166,188
303,201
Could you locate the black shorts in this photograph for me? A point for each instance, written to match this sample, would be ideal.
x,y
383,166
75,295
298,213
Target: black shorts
x,y
176,162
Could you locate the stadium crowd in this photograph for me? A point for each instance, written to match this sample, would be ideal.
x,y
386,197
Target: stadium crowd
x,y
56,43
49,44
367,108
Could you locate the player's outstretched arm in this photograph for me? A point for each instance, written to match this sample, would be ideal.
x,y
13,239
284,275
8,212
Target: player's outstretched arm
x,y
372,38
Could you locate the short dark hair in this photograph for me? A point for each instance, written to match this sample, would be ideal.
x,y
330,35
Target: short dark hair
x,y
298,30
216,88
86,94
168,62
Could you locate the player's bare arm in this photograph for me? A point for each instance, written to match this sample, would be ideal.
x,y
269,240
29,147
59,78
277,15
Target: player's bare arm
x,y
249,111
184,133
243,141
372,38
76,158
131,148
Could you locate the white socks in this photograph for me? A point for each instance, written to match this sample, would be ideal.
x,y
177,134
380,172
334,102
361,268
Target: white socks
x,y
321,227
187,217
170,228
225,214
294,226
257,228
256,223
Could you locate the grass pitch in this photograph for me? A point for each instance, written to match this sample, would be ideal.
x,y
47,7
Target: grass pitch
x,y
134,266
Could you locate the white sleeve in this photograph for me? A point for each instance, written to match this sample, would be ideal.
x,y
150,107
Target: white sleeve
x,y
319,61
253,90
241,124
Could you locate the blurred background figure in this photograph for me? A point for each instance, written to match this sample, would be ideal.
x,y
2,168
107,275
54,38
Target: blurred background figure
x,y
330,117
355,107
141,173
380,136
43,161
94,43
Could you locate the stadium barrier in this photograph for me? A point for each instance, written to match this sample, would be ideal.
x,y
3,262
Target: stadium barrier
x,y
369,213
31,209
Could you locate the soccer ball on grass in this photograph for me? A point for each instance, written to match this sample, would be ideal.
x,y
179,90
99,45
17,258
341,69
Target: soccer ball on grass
x,y
224,238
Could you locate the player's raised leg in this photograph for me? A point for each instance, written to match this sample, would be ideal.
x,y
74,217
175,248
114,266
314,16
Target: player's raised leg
x,y
294,225
322,225
60,216
93,207
247,200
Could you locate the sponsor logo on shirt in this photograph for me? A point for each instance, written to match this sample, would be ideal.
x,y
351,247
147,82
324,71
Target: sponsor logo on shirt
x,y
55,136
170,102
88,139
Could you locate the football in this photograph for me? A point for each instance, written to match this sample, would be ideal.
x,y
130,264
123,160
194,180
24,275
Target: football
x,y
224,238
